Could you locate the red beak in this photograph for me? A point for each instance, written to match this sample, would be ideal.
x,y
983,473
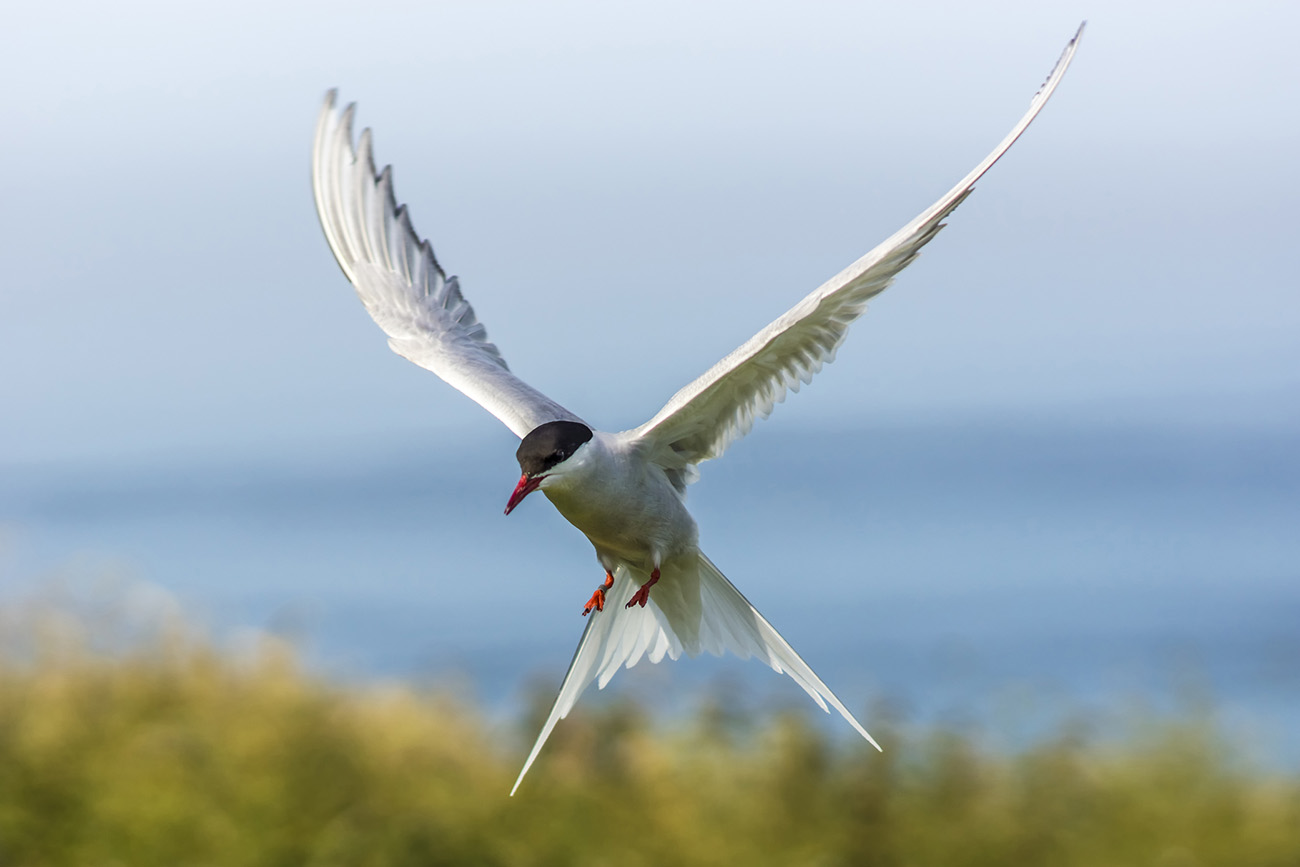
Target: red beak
x,y
525,487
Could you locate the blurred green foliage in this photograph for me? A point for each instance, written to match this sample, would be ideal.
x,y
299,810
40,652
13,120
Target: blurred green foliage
x,y
166,751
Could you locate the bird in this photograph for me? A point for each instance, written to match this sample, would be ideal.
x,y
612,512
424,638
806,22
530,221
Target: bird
x,y
625,491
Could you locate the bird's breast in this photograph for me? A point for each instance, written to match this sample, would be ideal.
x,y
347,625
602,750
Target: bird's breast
x,y
638,519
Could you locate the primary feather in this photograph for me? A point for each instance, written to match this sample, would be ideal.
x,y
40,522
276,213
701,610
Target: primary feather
x,y
401,284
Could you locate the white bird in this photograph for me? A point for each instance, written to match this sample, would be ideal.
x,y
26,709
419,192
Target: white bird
x,y
625,491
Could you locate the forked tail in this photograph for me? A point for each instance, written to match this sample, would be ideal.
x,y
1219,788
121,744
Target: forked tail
x,y
715,619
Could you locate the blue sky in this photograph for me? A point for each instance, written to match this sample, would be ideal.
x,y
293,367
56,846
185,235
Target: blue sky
x,y
193,396
628,191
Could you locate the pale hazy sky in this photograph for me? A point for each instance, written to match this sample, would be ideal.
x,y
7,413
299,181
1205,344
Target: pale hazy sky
x,y
628,191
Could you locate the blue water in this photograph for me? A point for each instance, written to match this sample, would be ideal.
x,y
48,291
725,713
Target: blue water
x,y
1002,576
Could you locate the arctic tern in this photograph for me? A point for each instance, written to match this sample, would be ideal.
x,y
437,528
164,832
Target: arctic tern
x,y
625,491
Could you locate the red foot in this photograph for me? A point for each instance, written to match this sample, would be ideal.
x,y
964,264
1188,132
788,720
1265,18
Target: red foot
x,y
597,599
642,596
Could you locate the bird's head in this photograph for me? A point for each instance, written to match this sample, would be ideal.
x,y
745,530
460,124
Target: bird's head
x,y
545,452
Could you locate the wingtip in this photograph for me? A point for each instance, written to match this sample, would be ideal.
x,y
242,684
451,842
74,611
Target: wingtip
x,y
1058,70
343,128
1078,35
325,120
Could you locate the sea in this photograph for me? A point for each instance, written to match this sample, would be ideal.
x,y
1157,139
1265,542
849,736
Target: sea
x,y
1003,579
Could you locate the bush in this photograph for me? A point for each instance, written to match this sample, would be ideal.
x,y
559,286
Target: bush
x,y
161,750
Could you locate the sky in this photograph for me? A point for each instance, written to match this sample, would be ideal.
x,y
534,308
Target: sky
x,y
628,191
1065,431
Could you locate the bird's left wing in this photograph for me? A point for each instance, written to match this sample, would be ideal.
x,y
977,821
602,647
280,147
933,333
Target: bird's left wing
x,y
705,417
402,285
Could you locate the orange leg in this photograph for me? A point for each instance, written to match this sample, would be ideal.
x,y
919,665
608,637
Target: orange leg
x,y
642,596
597,599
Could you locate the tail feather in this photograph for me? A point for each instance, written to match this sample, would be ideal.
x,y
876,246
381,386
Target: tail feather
x,y
745,632
695,613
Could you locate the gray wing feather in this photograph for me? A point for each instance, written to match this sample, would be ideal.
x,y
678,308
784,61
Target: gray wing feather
x,y
401,284
720,407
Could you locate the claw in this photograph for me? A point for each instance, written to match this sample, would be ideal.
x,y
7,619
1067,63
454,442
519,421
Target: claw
x,y
642,596
597,600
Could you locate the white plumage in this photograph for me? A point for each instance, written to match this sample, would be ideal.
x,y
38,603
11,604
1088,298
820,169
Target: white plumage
x,y
624,491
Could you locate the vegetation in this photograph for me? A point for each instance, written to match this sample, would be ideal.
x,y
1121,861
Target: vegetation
x,y
168,752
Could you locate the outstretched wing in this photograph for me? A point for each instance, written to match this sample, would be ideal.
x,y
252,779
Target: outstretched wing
x,y
695,612
404,289
720,407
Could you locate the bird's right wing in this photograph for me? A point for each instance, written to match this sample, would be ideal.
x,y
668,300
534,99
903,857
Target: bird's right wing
x,y
404,289
701,420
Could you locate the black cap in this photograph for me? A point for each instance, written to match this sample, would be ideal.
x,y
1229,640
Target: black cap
x,y
550,444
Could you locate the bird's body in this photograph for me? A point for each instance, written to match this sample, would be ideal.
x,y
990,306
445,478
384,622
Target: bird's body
x,y
625,491
626,505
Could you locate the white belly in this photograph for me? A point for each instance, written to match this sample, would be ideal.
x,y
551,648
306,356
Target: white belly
x,y
644,524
